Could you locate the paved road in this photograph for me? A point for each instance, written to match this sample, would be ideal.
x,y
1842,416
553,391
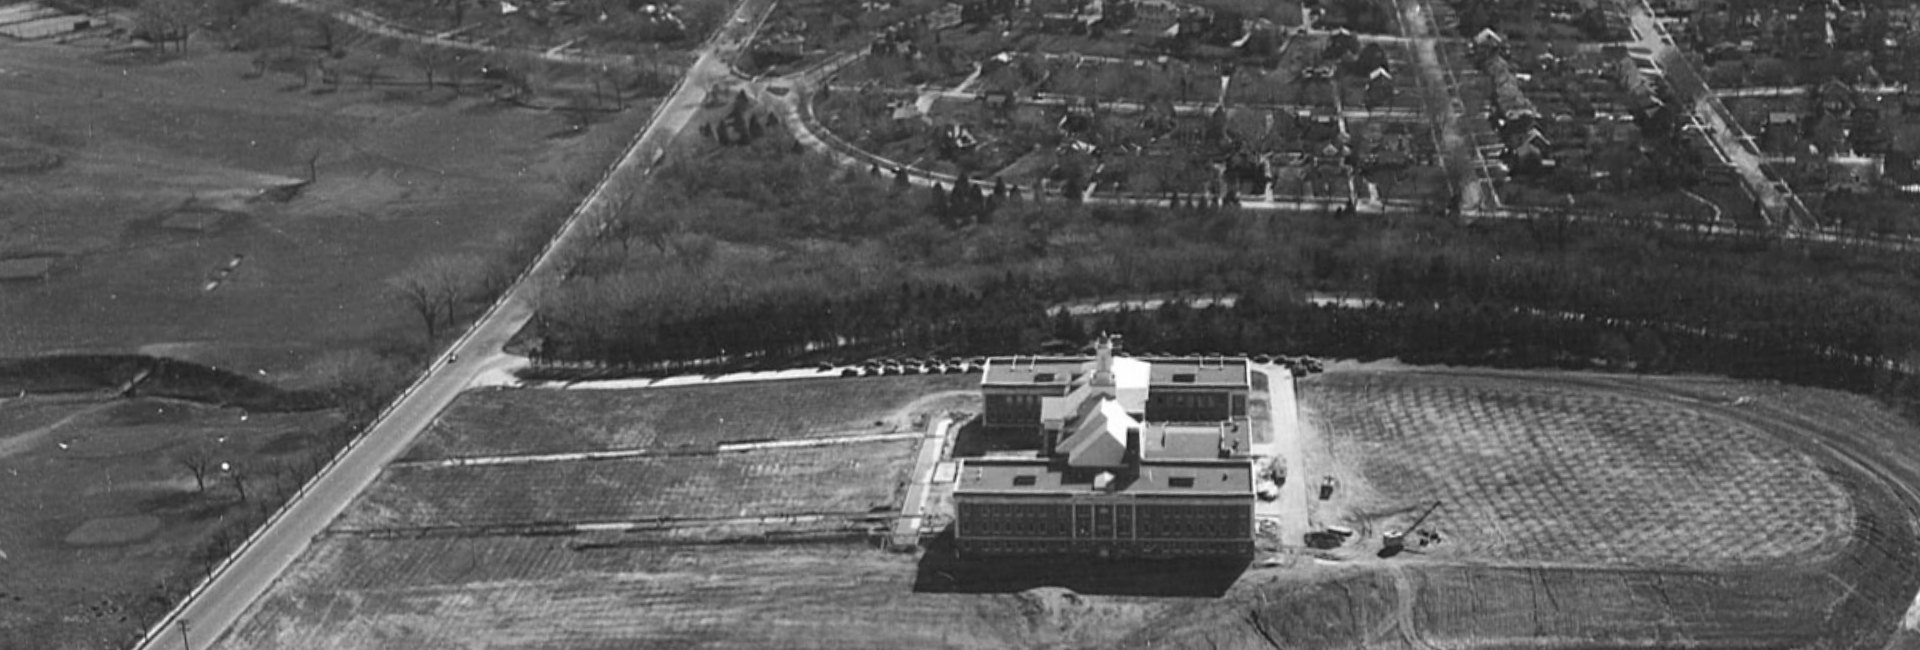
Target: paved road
x,y
253,570
1283,414
1778,203
1474,186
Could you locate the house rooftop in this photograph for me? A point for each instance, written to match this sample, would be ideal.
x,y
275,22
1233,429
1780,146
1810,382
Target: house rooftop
x,y
1037,476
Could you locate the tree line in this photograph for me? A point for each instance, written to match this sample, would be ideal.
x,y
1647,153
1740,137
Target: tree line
x,y
798,260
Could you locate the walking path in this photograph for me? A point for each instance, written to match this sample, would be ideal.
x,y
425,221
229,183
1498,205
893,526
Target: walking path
x,y
1384,113
373,23
906,529
621,454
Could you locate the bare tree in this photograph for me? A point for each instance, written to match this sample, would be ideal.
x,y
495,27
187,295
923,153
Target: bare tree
x,y
238,478
434,288
331,33
368,72
197,458
169,20
359,381
659,231
429,57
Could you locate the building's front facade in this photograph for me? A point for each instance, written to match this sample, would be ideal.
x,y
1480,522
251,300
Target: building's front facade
x,y
1169,510
1139,458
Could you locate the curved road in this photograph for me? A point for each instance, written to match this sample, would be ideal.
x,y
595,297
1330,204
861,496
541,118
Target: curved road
x,y
253,569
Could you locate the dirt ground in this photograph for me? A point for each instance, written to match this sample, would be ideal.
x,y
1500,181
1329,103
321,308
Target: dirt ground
x,y
1531,470
619,591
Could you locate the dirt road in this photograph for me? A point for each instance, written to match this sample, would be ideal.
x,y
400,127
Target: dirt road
x,y
205,616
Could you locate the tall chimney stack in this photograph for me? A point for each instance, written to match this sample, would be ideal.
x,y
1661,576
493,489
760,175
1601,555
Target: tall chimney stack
x,y
1103,361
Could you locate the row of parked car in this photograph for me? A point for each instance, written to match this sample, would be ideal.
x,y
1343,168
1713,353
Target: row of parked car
x,y
1300,366
923,366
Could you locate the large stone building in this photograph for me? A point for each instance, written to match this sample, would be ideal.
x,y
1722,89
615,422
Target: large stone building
x,y
1141,458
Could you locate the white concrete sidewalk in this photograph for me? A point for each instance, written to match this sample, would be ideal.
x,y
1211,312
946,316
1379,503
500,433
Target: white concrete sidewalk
x,y
1283,415
906,529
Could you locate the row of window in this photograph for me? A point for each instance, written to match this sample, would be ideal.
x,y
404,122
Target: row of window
x,y
1018,547
1102,522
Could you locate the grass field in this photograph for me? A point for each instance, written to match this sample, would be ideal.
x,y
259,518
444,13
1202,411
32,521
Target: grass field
x,y
150,148
97,514
486,423
1554,473
837,479
142,181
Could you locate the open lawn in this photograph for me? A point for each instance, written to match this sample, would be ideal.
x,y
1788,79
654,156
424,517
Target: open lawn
x,y
164,162
99,513
849,478
185,205
487,423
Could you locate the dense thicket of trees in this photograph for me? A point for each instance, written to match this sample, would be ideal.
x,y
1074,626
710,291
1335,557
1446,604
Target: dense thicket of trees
x,y
763,256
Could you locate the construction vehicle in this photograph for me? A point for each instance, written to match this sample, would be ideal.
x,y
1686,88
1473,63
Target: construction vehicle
x,y
1396,540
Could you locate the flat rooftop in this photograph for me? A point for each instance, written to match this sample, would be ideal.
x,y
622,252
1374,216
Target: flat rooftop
x,y
1153,478
1214,372
1173,441
1168,372
1027,371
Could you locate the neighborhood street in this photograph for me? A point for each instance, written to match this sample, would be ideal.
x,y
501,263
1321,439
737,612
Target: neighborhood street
x,y
1777,200
204,617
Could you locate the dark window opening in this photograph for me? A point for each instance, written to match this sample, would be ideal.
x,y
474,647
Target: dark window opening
x,y
1183,378
1180,482
1042,378
1029,479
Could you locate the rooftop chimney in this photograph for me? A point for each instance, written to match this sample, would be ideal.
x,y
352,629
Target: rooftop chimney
x,y
1103,360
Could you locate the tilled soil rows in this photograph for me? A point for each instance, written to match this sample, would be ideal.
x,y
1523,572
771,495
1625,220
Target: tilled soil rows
x,y
1529,471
